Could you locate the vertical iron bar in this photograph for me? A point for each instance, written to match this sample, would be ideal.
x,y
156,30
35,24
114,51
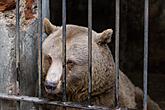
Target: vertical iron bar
x,y
17,47
45,9
40,50
64,47
117,27
146,21
17,35
18,105
89,50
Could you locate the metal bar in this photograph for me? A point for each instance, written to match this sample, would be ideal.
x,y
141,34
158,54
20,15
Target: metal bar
x,y
45,9
145,74
117,27
42,101
18,105
89,50
17,47
64,47
40,51
17,34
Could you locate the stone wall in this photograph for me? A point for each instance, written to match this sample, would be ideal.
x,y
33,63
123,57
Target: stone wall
x,y
7,5
7,60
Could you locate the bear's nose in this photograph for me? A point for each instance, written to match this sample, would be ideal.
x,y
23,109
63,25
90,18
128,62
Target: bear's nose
x,y
50,85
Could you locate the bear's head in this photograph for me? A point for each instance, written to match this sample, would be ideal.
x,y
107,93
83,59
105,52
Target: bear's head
x,y
103,77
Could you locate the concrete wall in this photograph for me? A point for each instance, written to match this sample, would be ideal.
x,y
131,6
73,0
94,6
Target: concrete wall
x,y
28,59
28,52
7,60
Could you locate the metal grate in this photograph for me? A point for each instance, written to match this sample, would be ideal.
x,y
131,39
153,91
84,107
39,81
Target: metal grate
x,y
40,101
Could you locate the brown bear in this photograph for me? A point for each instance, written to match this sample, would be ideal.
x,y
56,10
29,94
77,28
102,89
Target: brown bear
x,y
103,68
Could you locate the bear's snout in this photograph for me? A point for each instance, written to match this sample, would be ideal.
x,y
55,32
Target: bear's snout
x,y
50,85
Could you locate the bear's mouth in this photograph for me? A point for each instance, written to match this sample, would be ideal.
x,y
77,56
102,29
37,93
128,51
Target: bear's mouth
x,y
53,91
50,90
53,88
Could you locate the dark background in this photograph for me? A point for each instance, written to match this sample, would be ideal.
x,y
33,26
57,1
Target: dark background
x,y
131,36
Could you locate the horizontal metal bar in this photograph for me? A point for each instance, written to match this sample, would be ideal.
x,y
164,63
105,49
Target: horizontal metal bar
x,y
45,101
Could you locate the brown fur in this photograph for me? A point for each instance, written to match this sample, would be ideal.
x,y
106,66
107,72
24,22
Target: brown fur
x,y
103,69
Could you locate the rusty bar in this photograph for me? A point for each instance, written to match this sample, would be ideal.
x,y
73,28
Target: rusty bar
x,y
43,101
64,47
117,27
89,50
17,47
145,71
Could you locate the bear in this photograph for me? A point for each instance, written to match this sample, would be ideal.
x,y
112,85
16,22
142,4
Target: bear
x,y
103,69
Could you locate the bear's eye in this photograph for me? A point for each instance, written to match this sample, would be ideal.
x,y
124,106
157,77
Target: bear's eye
x,y
70,64
49,59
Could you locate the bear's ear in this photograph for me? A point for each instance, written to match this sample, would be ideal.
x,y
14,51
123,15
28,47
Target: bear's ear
x,y
104,37
48,26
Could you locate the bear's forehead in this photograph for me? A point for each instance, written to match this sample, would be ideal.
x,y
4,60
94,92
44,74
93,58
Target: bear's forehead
x,y
73,48
77,40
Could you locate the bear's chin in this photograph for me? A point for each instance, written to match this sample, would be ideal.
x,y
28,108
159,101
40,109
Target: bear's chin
x,y
51,96
56,91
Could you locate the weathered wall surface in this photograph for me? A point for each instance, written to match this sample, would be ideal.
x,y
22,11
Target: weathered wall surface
x,y
28,62
7,51
7,5
28,53
7,60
